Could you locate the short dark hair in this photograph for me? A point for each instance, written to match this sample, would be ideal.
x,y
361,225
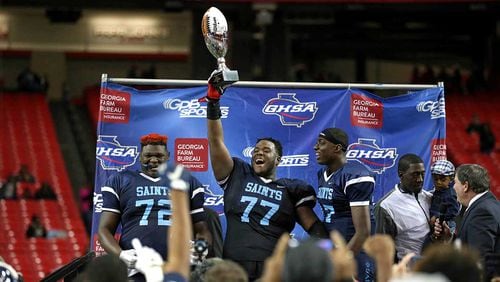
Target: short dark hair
x,y
106,268
406,160
153,139
277,144
456,264
476,175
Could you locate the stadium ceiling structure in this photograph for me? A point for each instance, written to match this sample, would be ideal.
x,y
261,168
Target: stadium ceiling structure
x,y
388,29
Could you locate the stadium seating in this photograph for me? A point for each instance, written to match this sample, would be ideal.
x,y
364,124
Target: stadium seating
x,y
29,138
463,147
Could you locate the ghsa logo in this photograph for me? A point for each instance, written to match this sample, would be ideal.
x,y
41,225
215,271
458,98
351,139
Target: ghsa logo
x,y
113,155
290,110
367,152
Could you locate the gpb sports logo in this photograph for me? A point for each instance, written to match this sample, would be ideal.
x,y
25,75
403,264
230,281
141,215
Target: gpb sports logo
x,y
191,108
290,110
367,152
290,160
113,155
437,108
98,201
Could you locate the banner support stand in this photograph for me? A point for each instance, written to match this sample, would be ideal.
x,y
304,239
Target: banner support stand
x,y
274,84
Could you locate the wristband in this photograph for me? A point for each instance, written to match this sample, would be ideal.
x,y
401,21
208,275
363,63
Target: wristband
x,y
213,110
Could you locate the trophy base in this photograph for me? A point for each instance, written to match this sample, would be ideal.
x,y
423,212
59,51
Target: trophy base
x,y
224,78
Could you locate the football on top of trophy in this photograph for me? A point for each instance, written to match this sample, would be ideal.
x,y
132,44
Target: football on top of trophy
x,y
214,29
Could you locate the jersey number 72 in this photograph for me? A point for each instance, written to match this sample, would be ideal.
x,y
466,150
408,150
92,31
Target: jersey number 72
x,y
163,214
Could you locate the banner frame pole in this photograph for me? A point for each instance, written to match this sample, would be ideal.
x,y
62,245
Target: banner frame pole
x,y
275,84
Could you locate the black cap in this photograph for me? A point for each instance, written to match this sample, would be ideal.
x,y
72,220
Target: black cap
x,y
336,136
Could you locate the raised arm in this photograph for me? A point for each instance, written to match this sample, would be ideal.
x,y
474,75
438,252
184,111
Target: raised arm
x,y
181,228
149,261
222,163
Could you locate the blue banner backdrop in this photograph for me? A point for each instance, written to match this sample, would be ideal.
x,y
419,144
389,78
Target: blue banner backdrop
x,y
380,130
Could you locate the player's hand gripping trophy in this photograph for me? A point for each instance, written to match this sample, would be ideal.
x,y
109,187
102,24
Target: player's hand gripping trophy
x,y
215,32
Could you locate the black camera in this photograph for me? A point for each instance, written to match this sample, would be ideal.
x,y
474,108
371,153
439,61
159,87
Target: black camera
x,y
200,246
199,251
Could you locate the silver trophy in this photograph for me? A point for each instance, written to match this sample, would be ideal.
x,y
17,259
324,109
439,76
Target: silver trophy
x,y
214,28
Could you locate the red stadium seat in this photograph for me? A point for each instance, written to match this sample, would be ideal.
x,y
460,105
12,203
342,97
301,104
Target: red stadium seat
x,y
464,147
41,152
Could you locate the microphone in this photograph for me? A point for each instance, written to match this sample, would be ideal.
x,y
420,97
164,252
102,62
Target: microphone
x,y
442,211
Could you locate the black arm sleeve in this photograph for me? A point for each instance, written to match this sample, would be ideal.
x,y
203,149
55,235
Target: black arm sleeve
x,y
384,223
318,230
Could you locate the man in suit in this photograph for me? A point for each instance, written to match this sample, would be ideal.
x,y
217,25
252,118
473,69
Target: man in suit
x,y
480,226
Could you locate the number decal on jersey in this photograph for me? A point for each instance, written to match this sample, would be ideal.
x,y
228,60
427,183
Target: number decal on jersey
x,y
162,213
328,211
274,208
251,203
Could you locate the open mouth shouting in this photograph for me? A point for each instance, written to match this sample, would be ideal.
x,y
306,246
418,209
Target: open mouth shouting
x,y
259,161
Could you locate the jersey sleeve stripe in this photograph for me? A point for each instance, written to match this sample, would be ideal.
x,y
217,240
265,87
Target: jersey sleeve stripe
x,y
305,199
197,190
359,204
111,210
110,190
197,210
359,180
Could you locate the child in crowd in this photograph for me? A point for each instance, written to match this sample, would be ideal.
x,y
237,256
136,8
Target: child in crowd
x,y
444,200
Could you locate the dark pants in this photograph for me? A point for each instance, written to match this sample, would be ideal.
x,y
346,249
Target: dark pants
x,y
215,227
366,267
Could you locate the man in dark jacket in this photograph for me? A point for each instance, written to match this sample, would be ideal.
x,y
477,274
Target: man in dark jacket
x,y
480,227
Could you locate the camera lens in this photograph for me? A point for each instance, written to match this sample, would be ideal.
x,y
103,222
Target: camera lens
x,y
200,246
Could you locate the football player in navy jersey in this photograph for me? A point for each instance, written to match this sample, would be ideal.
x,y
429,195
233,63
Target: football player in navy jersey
x,y
140,202
259,207
345,192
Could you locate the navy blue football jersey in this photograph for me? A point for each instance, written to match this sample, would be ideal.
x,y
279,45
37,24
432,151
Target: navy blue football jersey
x,y
144,206
351,185
259,211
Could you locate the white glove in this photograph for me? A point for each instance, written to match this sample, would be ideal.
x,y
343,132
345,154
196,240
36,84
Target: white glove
x,y
129,257
176,182
149,262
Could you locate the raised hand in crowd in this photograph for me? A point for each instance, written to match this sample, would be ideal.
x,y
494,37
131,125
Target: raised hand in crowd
x,y
274,264
401,269
342,258
381,248
149,262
